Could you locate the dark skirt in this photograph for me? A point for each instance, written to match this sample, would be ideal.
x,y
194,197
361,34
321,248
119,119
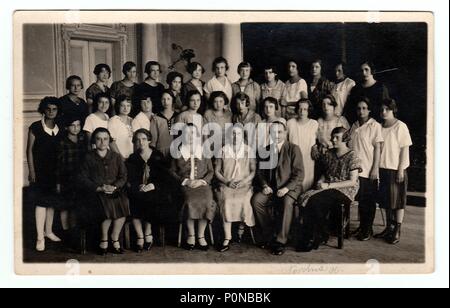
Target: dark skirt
x,y
46,197
152,207
98,207
392,195
198,203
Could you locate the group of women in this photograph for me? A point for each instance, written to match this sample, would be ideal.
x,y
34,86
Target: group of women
x,y
108,158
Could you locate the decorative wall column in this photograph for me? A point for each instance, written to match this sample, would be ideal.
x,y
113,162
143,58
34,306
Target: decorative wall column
x,y
232,48
149,43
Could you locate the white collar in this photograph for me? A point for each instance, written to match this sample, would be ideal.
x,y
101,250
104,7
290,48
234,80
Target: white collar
x,y
369,122
48,130
186,152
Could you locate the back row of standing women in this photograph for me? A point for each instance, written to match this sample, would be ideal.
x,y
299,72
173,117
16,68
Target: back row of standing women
x,y
151,107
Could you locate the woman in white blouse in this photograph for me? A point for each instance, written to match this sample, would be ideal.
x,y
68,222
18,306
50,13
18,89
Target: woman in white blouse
x,y
148,120
295,89
99,118
342,87
120,128
394,162
220,81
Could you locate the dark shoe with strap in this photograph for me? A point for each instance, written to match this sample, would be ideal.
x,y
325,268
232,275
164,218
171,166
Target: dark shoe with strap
x,y
386,232
188,246
103,251
278,249
203,247
139,247
117,250
394,238
225,246
148,243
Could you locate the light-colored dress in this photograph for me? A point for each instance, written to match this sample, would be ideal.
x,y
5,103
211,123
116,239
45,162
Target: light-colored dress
x,y
341,91
122,134
292,93
235,204
326,127
304,136
93,122
215,85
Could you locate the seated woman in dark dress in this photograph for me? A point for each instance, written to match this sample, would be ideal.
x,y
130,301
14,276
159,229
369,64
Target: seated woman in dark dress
x,y
102,178
338,185
193,172
148,193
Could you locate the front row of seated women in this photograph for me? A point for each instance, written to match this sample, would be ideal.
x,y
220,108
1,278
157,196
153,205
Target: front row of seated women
x,y
103,188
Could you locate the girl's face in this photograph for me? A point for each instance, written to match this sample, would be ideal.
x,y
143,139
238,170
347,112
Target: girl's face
x,y
197,74
269,109
102,141
142,141
50,112
103,76
194,102
175,85
125,107
241,106
337,140
303,111
221,69
362,110
75,87
316,69
154,72
366,72
386,113
146,105
218,103
293,69
339,72
131,74
74,128
327,107
166,101
269,75
103,104
244,72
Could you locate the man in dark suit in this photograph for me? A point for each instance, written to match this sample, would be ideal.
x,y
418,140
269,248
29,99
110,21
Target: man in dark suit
x,y
279,183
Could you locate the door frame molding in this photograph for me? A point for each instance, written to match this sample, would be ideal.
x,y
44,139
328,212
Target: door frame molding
x,y
114,33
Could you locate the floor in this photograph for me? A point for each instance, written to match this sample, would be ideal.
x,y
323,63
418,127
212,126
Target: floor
x,y
411,249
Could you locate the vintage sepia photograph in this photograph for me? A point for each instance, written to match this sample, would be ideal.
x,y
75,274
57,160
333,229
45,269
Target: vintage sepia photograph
x,y
206,142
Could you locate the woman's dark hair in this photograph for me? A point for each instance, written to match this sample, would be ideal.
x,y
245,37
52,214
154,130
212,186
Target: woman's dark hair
x,y
366,100
217,94
391,104
190,94
193,66
48,100
99,130
98,69
271,100
167,91
242,65
273,68
72,78
148,66
142,131
220,60
332,100
322,68
68,121
305,101
119,100
344,66
171,77
97,99
242,97
342,130
371,65
127,66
